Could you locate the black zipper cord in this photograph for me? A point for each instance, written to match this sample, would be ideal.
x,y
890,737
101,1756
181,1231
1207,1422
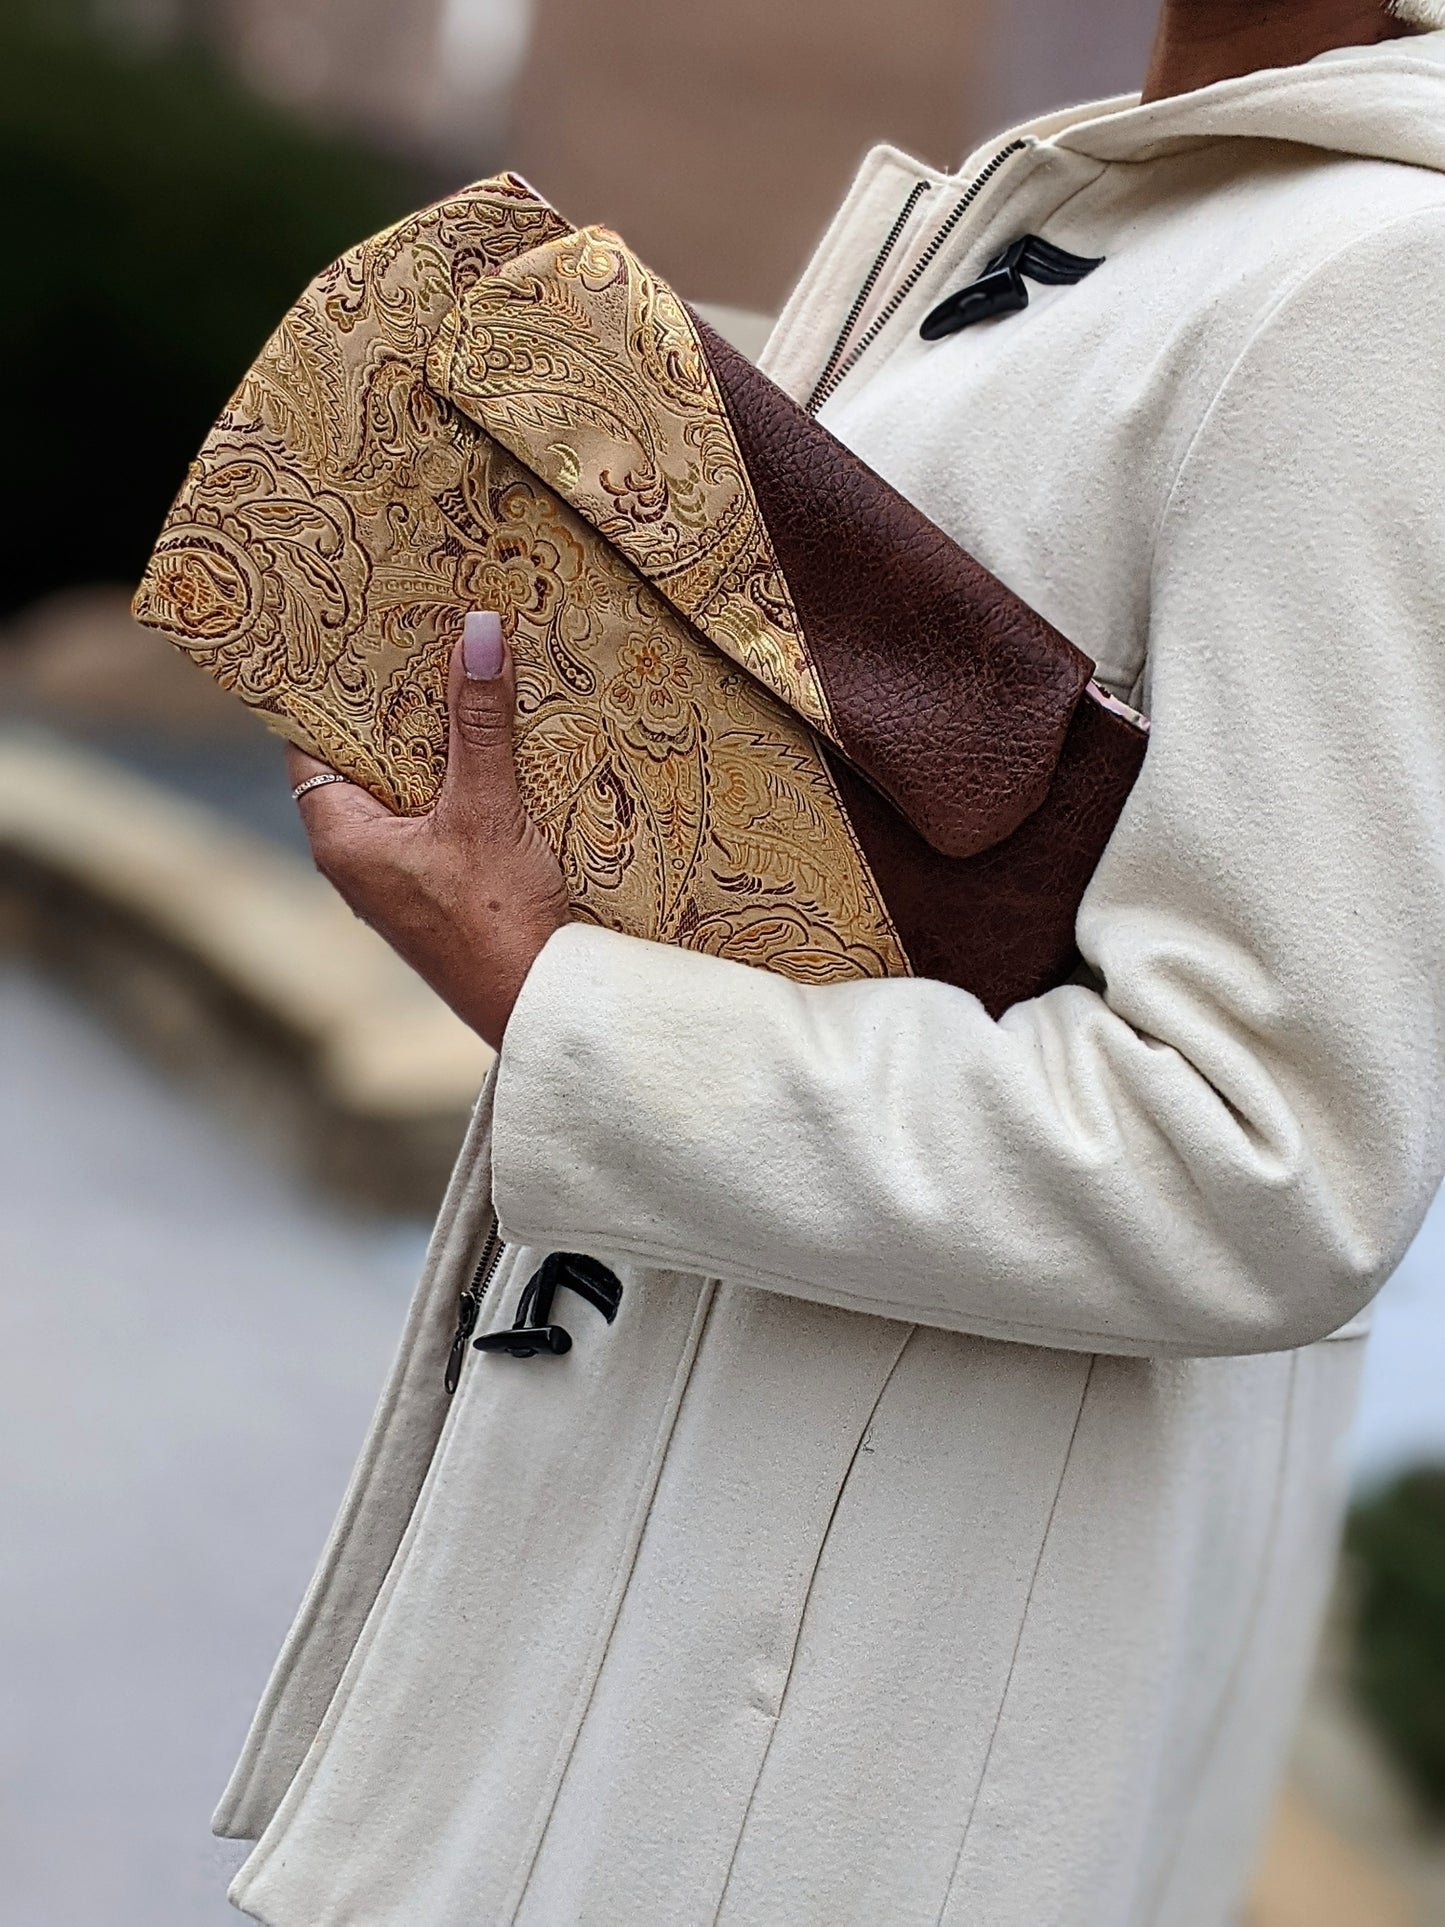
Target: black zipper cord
x,y
840,368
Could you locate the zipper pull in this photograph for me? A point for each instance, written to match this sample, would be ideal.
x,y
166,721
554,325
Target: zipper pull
x,y
469,1305
469,1310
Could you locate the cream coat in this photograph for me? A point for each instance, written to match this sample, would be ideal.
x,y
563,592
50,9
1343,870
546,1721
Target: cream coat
x,y
957,1558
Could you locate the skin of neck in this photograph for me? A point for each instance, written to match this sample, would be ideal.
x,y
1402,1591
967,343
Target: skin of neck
x,y
1198,42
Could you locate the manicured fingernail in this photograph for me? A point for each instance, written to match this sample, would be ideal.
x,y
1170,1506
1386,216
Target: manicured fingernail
x,y
482,644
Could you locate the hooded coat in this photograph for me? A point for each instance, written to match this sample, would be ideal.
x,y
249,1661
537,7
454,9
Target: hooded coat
x,y
940,1533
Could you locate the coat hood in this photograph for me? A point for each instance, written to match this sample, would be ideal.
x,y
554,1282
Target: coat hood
x,y
1385,102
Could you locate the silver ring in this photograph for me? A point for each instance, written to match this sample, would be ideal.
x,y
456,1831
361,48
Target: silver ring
x,y
316,782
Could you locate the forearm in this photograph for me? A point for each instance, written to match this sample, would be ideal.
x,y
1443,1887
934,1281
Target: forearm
x,y
1054,1179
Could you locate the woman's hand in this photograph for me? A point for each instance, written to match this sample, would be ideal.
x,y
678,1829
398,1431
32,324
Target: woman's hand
x,y
469,893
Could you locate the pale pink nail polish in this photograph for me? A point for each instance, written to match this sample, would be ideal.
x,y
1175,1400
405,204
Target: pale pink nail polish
x,y
482,644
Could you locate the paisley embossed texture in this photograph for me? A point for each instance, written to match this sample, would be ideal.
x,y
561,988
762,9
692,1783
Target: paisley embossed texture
x,y
343,516
945,689
588,368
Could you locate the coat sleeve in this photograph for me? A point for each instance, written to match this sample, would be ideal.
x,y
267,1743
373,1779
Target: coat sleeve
x,y
1227,1145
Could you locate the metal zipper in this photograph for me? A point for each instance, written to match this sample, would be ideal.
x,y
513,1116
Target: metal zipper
x,y
469,1305
841,364
881,260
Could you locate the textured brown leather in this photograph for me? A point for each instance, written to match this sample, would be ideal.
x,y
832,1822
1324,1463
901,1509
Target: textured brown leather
x,y
1002,923
945,688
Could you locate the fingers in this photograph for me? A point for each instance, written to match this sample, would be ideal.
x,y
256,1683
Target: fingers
x,y
481,777
330,807
300,767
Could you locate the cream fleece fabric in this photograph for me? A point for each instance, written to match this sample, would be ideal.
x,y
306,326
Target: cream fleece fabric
x,y
939,1534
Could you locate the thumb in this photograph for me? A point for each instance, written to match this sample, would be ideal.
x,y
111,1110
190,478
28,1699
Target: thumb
x,y
481,776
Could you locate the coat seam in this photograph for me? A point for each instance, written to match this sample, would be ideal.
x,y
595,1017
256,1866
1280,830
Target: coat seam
x,y
627,1564
1018,1644
823,1539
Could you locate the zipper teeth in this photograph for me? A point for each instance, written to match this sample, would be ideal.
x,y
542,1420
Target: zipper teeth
x,y
487,1264
829,383
881,260
469,1303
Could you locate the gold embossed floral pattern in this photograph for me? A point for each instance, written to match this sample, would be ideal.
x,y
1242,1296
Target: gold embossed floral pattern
x,y
588,368
343,516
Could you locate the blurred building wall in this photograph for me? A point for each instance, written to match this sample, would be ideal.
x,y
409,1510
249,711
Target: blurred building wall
x,y
717,138
367,64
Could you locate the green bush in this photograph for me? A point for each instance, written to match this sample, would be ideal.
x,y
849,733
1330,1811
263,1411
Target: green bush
x,y
160,220
1397,1541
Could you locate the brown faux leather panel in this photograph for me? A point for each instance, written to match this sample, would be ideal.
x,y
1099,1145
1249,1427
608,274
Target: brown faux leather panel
x,y
1002,923
946,689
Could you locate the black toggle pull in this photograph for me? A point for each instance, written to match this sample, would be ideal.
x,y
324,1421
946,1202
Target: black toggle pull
x,y
591,1280
1000,289
533,1334
526,1341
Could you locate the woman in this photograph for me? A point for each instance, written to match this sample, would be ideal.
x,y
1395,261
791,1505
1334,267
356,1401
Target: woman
x,y
940,1531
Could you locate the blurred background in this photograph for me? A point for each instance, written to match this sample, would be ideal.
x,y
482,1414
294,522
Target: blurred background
x,y
225,1111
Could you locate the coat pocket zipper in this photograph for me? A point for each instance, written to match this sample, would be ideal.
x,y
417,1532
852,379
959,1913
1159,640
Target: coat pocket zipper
x,y
469,1304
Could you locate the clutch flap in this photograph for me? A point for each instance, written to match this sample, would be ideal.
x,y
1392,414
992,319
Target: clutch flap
x,y
933,679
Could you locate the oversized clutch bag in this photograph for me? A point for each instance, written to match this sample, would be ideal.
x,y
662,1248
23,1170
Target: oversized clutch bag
x,y
765,708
